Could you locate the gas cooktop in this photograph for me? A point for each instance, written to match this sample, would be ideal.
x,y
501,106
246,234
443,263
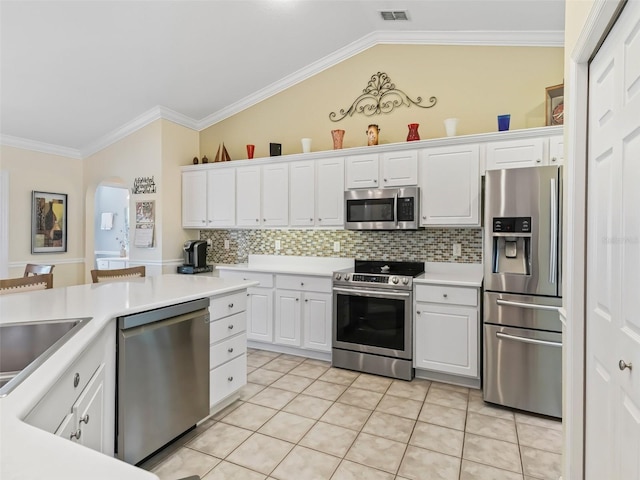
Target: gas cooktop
x,y
376,273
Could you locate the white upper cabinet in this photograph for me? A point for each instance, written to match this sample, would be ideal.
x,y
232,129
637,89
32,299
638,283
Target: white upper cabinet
x,y
399,168
221,198
450,185
389,169
556,150
248,196
302,177
275,195
525,152
330,192
194,204
362,171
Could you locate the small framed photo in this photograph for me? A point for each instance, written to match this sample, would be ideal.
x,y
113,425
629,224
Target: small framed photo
x,y
554,105
48,222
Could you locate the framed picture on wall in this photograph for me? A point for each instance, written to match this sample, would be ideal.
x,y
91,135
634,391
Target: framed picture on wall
x,y
48,222
554,105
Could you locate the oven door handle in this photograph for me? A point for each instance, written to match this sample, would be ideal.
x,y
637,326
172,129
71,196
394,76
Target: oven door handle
x,y
528,340
369,293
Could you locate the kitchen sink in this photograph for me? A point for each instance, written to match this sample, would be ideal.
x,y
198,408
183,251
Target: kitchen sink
x,y
25,346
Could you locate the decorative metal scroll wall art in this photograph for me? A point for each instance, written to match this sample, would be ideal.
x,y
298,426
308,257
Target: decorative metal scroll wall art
x,y
380,96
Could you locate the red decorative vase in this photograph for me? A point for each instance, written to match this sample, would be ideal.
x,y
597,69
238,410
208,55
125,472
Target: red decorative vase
x,y
413,132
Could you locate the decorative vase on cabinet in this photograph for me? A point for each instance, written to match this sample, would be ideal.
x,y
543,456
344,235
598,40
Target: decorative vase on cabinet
x,y
337,136
413,132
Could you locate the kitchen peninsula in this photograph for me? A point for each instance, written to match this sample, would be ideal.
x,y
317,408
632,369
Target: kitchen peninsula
x,y
30,452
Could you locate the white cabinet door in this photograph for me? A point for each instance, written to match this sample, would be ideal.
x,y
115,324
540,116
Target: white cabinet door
x,y
288,318
400,168
260,314
556,150
450,186
221,198
446,339
527,152
89,411
362,171
275,195
302,193
330,192
194,199
248,196
317,321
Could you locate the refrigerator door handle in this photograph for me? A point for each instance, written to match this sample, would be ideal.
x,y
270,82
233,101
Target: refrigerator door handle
x,y
534,306
532,341
553,240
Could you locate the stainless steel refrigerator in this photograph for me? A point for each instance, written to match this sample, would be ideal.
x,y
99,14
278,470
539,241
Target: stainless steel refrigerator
x,y
522,289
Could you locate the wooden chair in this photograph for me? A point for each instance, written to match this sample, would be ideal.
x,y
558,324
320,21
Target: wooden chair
x,y
117,274
26,284
33,269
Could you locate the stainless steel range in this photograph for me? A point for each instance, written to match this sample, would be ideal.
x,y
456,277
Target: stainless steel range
x,y
372,318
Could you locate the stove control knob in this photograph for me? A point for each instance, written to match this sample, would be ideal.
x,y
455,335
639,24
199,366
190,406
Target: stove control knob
x,y
405,281
394,280
347,276
338,276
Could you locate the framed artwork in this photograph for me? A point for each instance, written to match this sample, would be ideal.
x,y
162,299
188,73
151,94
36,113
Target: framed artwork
x,y
48,222
554,105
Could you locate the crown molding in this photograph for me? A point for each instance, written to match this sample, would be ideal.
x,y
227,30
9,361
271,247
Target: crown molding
x,y
150,116
512,38
41,147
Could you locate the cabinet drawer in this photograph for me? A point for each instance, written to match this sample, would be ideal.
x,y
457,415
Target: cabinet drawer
x,y
227,327
227,379
227,350
265,279
448,295
304,284
221,307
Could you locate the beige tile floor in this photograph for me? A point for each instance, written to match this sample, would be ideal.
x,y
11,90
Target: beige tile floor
x,y
300,419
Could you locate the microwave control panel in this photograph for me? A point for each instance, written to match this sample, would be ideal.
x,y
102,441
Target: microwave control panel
x,y
406,209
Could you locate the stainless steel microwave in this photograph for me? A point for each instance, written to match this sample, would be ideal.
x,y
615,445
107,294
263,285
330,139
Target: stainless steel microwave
x,y
382,209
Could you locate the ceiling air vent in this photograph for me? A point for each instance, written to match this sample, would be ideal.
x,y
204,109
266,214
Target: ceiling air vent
x,y
398,15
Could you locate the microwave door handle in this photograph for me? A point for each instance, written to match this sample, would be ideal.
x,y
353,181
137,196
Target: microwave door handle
x,y
553,240
395,209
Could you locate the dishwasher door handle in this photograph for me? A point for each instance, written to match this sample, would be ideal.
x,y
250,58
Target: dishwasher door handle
x,y
532,341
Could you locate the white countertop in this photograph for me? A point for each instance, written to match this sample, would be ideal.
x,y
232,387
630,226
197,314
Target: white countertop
x,y
459,274
319,266
27,452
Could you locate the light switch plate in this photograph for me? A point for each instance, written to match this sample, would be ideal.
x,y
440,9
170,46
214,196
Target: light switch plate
x,y
457,249
336,246
226,244
277,245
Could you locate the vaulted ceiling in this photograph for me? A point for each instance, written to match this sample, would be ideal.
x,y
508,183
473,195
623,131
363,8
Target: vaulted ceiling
x,y
74,72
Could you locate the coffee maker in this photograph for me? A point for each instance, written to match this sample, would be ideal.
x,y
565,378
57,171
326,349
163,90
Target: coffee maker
x,y
195,257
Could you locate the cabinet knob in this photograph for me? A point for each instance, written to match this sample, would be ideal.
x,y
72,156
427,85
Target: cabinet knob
x,y
231,305
417,312
85,419
76,380
375,181
445,295
297,299
230,327
553,159
264,219
257,219
76,435
302,284
230,379
306,299
203,221
311,219
319,219
538,160
424,217
622,365
385,179
230,350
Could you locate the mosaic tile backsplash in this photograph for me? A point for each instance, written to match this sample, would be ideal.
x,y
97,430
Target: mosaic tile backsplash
x,y
428,245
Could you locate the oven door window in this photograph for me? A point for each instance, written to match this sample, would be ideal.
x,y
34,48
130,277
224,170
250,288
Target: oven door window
x,y
371,210
374,321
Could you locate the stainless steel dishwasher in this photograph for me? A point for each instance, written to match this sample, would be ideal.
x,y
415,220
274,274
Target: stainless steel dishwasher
x,y
162,377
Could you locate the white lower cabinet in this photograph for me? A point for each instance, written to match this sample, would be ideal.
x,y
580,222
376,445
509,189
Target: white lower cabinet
x,y
228,347
316,321
446,331
81,405
288,318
